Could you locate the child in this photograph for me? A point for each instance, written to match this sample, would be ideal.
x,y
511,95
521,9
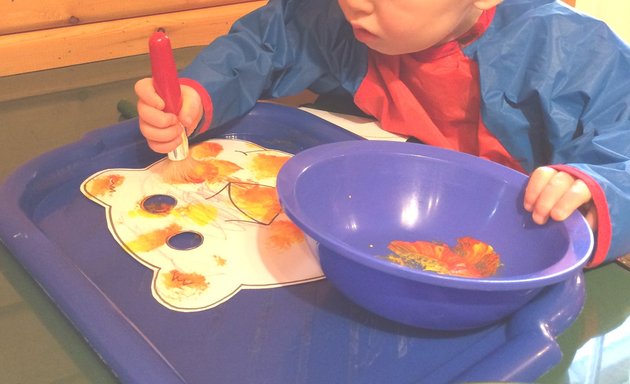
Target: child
x,y
530,84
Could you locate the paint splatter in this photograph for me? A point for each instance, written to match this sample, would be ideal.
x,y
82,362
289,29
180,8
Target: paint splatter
x,y
180,280
469,258
283,234
141,212
224,170
259,202
154,239
201,214
210,171
206,149
105,184
221,262
266,166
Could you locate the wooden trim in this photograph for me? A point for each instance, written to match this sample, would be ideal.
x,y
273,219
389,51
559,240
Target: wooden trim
x,y
58,80
25,16
60,47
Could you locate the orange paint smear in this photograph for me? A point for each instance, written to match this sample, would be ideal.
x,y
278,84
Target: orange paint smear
x,y
224,169
221,262
267,166
177,279
151,240
201,214
469,258
206,149
259,202
210,171
283,234
140,212
104,184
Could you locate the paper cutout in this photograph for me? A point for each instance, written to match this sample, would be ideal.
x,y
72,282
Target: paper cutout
x,y
208,239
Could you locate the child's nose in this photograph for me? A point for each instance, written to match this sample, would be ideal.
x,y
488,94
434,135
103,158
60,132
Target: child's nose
x,y
357,8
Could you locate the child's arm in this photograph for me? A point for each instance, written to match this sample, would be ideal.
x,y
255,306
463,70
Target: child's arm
x,y
558,97
279,50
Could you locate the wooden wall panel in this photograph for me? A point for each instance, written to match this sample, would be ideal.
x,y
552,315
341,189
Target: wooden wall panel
x,y
43,34
59,47
32,15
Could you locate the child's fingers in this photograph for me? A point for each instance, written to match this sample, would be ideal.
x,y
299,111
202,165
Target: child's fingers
x,y
155,117
162,130
146,93
160,135
550,195
161,140
554,194
164,147
576,195
538,180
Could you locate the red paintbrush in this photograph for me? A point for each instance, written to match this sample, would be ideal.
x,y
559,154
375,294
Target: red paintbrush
x,y
180,165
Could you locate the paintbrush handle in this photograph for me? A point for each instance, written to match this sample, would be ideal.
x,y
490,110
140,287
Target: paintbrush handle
x,y
164,72
166,83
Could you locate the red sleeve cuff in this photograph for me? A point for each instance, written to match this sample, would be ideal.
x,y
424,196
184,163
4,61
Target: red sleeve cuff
x,y
206,102
604,226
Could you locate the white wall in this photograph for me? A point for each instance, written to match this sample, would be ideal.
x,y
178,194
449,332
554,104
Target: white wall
x,y
616,13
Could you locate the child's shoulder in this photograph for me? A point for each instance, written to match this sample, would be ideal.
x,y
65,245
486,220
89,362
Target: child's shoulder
x,y
539,13
542,22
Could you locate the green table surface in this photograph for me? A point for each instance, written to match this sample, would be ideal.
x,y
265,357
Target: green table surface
x,y
48,109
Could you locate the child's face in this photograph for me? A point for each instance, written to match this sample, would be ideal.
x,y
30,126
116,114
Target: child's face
x,y
403,26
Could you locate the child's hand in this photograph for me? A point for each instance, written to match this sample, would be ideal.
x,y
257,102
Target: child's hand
x,y
162,130
556,194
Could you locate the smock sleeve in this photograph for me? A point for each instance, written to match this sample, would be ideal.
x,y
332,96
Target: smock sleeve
x,y
556,91
280,49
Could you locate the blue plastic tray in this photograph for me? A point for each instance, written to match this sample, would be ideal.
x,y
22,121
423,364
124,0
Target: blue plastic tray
x,y
298,334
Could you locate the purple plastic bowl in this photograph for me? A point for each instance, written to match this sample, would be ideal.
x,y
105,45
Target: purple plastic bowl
x,y
353,198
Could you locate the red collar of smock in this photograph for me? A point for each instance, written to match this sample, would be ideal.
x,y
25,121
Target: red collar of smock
x,y
434,96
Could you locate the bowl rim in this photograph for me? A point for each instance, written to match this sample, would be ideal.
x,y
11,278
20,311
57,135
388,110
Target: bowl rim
x,y
581,239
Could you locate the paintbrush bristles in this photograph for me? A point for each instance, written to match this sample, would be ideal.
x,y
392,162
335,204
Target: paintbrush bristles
x,y
180,165
180,171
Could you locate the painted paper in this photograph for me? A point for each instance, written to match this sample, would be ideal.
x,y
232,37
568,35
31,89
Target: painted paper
x,y
206,239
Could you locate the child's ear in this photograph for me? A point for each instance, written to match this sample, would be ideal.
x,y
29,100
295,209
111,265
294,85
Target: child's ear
x,y
486,4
